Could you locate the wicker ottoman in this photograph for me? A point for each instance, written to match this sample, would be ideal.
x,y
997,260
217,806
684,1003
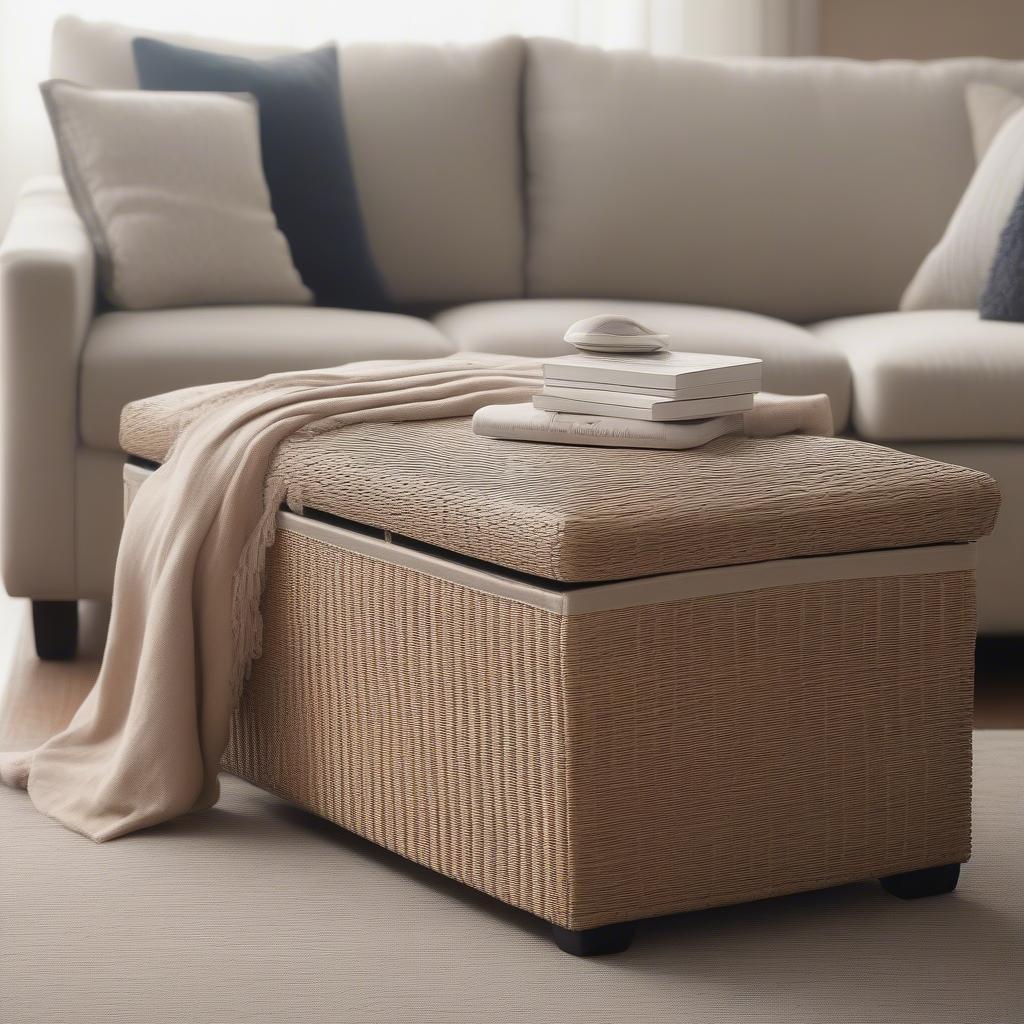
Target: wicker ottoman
x,y
604,685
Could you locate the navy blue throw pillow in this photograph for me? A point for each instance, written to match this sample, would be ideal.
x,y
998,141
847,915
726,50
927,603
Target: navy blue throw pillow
x,y
305,157
1003,298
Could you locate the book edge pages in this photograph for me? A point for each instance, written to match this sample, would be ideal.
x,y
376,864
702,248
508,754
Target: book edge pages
x,y
675,378
655,413
720,389
665,366
632,399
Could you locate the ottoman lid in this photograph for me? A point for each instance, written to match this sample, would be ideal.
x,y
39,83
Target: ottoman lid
x,y
578,514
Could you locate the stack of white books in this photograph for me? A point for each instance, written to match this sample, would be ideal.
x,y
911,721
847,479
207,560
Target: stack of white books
x,y
661,386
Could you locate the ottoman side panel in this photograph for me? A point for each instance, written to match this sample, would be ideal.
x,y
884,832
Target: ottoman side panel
x,y
417,713
729,748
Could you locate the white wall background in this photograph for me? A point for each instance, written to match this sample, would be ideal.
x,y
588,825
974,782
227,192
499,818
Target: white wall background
x,y
697,27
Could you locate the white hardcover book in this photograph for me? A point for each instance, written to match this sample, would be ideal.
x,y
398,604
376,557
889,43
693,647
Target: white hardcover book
x,y
668,371
643,407
728,387
525,423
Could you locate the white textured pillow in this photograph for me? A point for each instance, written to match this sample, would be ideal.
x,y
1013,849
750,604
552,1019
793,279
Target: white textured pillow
x,y
171,188
954,273
989,107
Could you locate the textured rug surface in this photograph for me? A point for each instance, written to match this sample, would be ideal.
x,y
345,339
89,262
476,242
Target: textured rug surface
x,y
257,912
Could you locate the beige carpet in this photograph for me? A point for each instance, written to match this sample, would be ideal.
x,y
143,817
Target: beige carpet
x,y
258,912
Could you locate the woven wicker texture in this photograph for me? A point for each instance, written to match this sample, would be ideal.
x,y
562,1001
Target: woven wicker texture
x,y
589,514
620,764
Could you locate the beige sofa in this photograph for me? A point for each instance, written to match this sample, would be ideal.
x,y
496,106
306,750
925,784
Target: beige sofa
x,y
767,208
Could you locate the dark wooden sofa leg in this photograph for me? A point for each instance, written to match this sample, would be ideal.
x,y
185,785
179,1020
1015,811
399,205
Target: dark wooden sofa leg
x,y
912,885
609,938
55,624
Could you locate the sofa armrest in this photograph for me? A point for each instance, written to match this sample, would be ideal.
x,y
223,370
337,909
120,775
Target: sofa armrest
x,y
47,297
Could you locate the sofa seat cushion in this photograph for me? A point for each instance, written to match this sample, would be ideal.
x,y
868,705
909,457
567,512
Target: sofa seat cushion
x,y
795,362
135,355
932,375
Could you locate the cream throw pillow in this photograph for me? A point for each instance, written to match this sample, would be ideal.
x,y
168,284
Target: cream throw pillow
x,y
171,188
954,273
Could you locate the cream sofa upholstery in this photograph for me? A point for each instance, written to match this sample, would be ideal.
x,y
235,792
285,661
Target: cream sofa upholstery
x,y
932,375
47,296
133,355
798,189
434,138
755,207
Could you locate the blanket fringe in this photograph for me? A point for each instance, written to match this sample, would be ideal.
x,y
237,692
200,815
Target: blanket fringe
x,y
248,586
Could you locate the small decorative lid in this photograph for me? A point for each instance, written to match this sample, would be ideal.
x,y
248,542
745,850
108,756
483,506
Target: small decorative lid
x,y
610,332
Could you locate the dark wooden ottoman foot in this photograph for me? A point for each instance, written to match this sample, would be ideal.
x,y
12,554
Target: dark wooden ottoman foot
x,y
55,624
912,885
609,938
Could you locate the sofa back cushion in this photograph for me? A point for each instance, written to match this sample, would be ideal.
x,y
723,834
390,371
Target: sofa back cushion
x,y
799,189
434,137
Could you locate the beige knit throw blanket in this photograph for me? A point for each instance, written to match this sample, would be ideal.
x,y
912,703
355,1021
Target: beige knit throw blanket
x,y
147,742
